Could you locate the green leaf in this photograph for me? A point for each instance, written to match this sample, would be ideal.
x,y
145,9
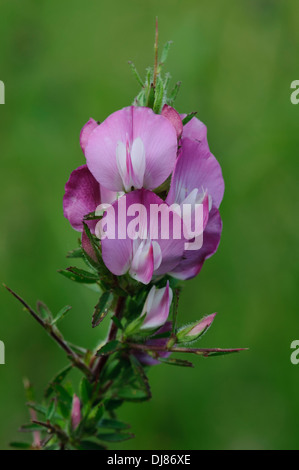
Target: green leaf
x,y
79,275
117,322
165,51
64,394
20,445
113,424
189,117
102,308
97,413
90,445
174,93
31,428
86,390
115,437
51,410
77,253
135,73
58,379
109,348
43,310
61,314
159,95
38,408
175,362
128,393
150,98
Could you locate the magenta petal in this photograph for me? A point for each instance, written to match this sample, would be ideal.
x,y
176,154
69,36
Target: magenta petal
x,y
195,130
86,132
119,131
193,261
82,195
196,168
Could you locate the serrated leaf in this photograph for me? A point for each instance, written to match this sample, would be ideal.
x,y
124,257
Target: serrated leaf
x,y
102,308
57,380
109,348
61,314
189,117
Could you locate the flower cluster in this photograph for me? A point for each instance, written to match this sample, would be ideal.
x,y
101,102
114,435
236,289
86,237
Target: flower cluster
x,y
146,159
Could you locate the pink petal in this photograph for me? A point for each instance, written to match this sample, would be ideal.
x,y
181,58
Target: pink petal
x,y
195,130
193,261
82,196
157,135
142,265
173,116
118,253
86,132
76,412
196,168
202,325
157,307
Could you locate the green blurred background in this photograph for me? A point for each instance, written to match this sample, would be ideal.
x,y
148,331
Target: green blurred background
x,y
63,62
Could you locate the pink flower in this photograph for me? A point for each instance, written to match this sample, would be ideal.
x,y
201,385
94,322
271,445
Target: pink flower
x,y
197,175
82,195
132,148
144,256
156,307
76,412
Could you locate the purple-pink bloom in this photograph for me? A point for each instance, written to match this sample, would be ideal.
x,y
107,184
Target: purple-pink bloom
x,y
156,307
132,148
197,174
82,195
76,412
143,256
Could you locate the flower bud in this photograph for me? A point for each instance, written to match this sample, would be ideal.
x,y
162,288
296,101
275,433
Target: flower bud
x,y
156,307
76,412
195,330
